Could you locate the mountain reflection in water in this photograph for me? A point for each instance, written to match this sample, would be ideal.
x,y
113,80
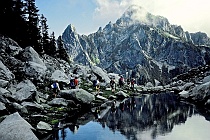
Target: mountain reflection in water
x,y
156,112
151,116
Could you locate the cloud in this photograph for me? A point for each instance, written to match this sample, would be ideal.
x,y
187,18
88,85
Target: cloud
x,y
109,9
192,15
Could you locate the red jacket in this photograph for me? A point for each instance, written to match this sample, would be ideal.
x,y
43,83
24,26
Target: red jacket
x,y
76,82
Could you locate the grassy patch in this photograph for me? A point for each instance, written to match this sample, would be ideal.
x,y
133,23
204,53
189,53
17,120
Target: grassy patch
x,y
54,121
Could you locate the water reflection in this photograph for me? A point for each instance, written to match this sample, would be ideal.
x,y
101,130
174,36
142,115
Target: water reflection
x,y
147,117
157,113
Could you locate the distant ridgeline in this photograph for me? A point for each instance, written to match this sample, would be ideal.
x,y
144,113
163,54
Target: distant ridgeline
x,y
141,44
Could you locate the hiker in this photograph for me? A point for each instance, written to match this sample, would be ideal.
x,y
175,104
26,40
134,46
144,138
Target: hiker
x,y
94,83
76,82
121,81
112,84
56,88
97,86
72,85
132,83
128,82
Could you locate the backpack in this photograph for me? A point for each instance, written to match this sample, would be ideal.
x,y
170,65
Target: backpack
x,y
55,85
94,83
72,83
121,80
133,82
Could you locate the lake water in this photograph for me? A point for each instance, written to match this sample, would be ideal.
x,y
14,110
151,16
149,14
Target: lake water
x,y
149,117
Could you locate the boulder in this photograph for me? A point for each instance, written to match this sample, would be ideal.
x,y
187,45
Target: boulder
x,y
35,70
157,83
4,99
3,91
29,54
60,76
79,95
184,94
149,84
5,73
32,106
2,106
44,126
14,127
206,79
25,90
200,92
207,104
20,108
121,94
14,49
101,73
58,102
187,86
3,83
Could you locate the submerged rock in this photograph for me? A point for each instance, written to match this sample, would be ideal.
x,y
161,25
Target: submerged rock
x,y
44,126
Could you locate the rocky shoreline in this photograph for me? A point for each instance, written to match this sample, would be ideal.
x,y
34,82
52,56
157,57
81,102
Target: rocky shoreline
x,y
29,111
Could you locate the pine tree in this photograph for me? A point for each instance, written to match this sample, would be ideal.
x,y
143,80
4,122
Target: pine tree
x,y
6,15
52,44
20,31
20,21
61,50
34,37
12,18
45,40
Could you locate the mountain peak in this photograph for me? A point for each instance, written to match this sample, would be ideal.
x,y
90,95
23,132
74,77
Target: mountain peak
x,y
138,15
135,9
71,28
134,14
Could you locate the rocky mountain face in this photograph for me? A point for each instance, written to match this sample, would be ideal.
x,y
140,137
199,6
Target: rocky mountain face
x,y
140,45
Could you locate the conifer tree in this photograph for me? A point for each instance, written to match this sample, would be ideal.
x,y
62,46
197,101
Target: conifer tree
x,y
13,22
45,40
52,44
6,15
61,50
34,37
20,32
20,21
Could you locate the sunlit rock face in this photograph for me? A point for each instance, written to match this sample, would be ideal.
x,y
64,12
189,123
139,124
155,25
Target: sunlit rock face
x,y
142,44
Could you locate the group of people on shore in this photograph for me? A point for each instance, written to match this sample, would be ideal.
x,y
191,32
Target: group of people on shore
x,y
121,83
74,84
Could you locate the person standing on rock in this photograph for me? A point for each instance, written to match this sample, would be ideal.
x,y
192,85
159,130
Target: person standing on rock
x,y
121,81
76,82
72,85
112,85
56,88
132,83
97,86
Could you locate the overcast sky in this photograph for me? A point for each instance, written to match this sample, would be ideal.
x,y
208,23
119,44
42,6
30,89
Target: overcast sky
x,y
88,15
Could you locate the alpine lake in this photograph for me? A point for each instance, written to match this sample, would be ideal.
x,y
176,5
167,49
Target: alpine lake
x,y
161,116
